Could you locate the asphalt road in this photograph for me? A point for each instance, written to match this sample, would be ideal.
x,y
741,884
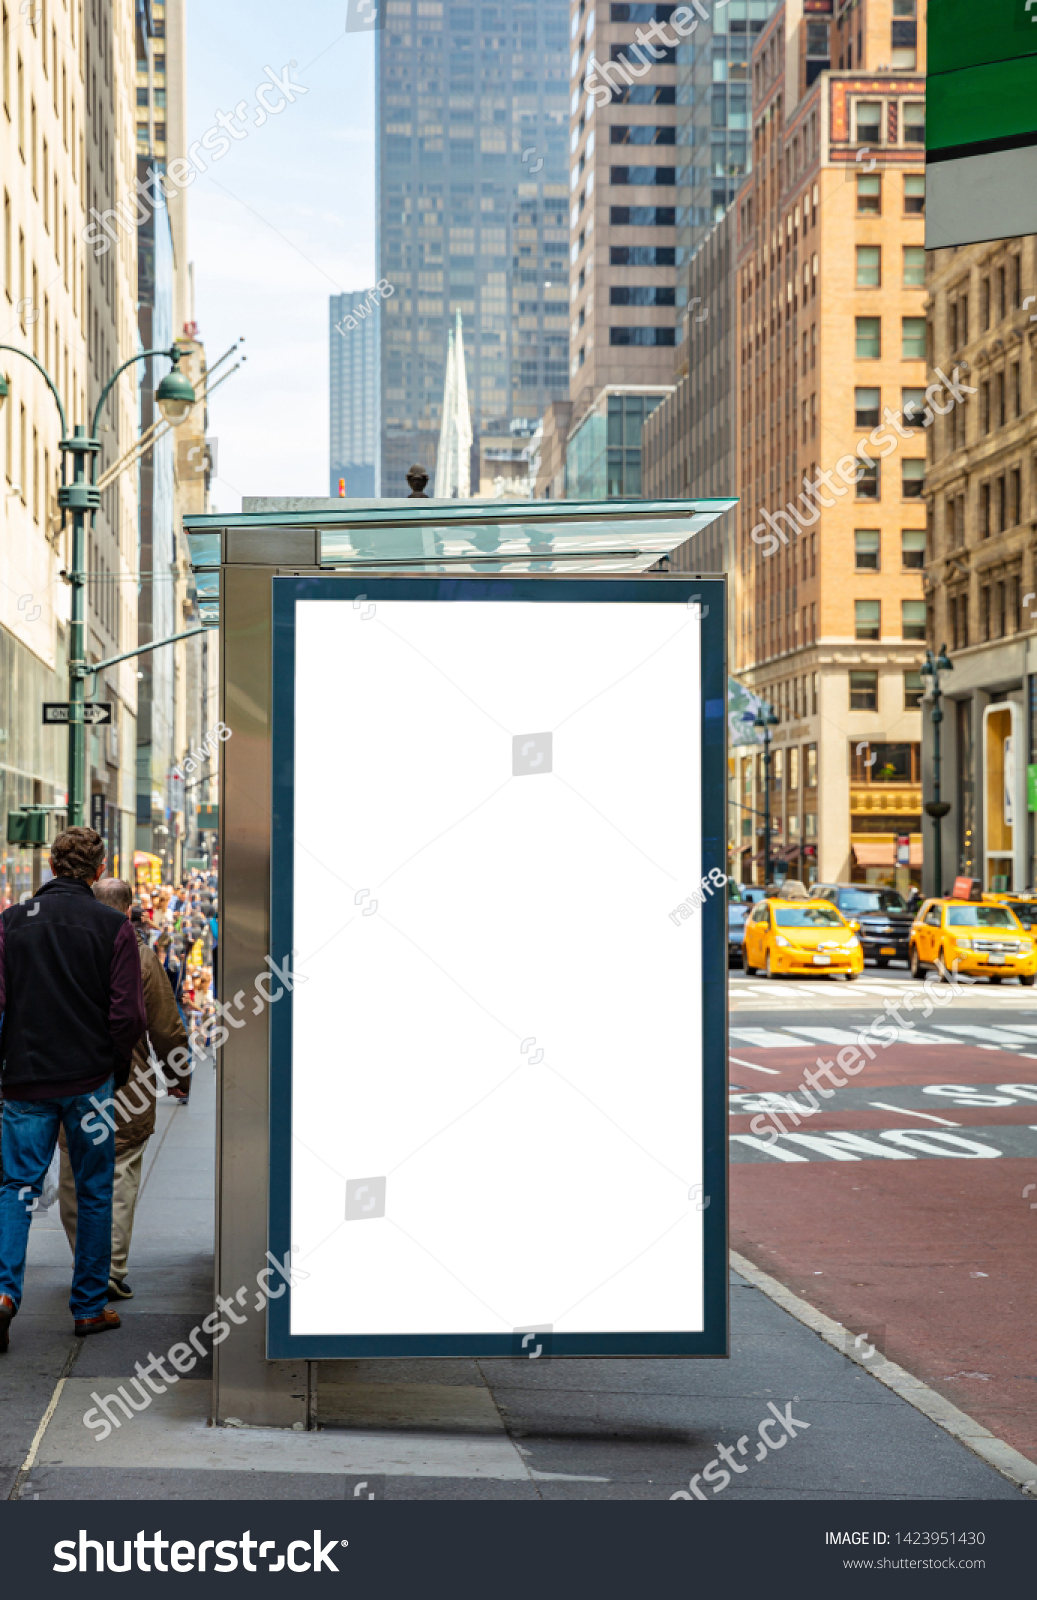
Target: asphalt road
x,y
903,1204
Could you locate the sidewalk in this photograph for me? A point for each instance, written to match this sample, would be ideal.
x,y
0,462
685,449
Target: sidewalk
x,y
490,1429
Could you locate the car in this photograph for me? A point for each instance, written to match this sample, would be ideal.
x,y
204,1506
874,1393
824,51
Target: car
x,y
973,938
741,897
884,918
1025,910
785,937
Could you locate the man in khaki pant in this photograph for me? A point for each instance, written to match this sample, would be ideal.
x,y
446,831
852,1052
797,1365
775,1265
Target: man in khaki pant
x,y
133,1110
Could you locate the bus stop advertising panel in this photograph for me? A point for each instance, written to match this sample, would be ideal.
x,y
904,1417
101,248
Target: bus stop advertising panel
x,y
498,1119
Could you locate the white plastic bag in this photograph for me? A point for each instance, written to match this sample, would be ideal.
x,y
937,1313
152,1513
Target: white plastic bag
x,y
50,1182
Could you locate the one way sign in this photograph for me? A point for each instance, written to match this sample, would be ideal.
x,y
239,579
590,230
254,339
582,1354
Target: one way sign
x,y
58,711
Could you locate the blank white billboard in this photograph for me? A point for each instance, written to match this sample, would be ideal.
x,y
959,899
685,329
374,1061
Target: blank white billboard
x,y
497,1048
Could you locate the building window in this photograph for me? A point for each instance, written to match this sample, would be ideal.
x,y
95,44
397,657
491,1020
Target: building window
x,y
914,194
912,404
867,619
866,542
869,122
984,612
913,691
912,548
794,768
869,266
912,482
914,266
912,338
912,619
868,482
868,345
866,404
642,336
869,195
810,760
914,122
1015,497
641,295
864,691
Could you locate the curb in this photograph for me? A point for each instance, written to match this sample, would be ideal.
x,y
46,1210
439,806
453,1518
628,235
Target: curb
x,y
1008,1462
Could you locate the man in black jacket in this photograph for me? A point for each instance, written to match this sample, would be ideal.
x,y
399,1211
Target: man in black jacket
x,y
73,1009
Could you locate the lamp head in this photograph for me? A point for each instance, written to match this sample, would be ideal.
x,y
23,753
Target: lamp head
x,y
943,661
4,390
926,669
175,394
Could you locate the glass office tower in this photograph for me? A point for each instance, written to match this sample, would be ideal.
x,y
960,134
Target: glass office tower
x,y
472,215
353,377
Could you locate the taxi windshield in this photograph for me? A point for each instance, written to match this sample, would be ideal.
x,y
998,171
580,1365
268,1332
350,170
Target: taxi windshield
x,y
814,916
980,917
855,900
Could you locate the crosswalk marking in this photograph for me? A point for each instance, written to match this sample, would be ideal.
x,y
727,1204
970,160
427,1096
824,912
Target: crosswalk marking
x,y
829,1035
992,1036
767,1039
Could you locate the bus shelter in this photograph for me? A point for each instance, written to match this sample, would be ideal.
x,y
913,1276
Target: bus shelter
x,y
472,1084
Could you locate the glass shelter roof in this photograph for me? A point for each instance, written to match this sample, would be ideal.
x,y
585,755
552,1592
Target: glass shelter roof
x,y
433,537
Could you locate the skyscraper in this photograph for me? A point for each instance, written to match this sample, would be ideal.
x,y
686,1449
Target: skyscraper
x,y
353,364
472,116
659,147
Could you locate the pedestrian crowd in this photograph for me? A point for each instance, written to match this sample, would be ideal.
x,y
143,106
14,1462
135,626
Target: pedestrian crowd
x,y
100,990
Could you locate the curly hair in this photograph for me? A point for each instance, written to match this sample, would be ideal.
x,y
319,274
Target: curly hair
x,y
77,853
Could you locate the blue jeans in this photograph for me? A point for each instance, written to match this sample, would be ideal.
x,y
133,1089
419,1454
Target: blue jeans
x,y
30,1136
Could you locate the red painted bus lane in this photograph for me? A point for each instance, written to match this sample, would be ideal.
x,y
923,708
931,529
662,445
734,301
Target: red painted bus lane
x,y
932,1254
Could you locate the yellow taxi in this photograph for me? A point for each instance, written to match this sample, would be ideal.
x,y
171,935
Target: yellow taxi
x,y
801,936
975,937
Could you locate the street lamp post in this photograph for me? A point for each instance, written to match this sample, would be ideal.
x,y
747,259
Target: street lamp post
x,y
175,397
763,722
937,808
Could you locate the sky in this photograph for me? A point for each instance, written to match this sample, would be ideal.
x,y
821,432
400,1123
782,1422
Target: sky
x,y
282,221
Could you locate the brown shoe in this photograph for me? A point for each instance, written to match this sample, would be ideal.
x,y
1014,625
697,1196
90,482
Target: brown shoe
x,y
101,1324
7,1311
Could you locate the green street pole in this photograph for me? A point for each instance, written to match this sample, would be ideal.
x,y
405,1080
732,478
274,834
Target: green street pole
x,y
764,721
936,808
82,497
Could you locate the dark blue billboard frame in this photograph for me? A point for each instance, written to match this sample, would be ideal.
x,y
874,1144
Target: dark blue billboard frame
x,y
713,1340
